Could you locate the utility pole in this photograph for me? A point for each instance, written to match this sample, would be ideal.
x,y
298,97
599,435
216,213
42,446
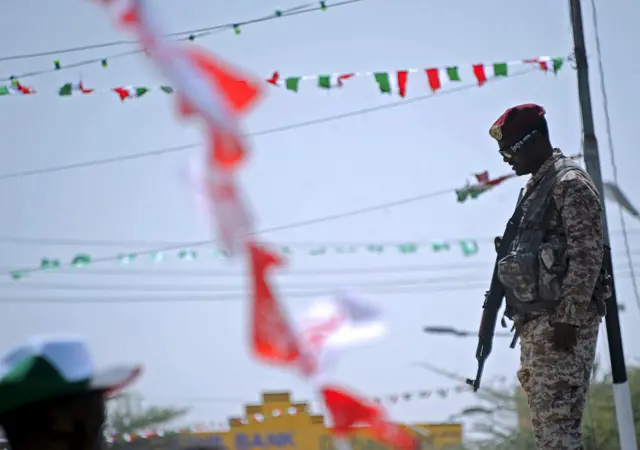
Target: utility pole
x,y
621,392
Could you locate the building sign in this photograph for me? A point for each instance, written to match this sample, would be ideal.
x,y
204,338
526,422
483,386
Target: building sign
x,y
279,430
249,441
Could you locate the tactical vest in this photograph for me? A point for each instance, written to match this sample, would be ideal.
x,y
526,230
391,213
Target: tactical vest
x,y
533,270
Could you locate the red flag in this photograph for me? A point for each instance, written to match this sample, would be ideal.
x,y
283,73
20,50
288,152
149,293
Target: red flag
x,y
403,76
273,339
342,78
433,76
274,78
348,411
481,76
543,64
483,177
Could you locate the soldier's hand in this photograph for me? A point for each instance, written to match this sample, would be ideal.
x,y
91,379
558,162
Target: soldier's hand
x,y
565,336
496,243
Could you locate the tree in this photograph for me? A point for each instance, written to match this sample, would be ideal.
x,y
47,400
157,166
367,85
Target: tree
x,y
502,419
126,414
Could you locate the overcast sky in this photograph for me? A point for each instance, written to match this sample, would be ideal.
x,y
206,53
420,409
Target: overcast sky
x,y
195,348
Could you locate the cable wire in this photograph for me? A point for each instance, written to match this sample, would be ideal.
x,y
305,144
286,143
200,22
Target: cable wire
x,y
614,166
196,32
187,294
302,223
215,273
280,129
227,289
209,298
188,35
70,242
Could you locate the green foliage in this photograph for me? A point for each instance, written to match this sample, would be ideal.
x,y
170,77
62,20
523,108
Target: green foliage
x,y
125,414
500,407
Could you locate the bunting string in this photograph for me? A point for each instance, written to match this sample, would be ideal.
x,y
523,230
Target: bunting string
x,y
394,82
467,247
484,183
388,399
189,35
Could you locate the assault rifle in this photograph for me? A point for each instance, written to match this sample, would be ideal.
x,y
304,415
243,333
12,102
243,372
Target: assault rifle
x,y
493,297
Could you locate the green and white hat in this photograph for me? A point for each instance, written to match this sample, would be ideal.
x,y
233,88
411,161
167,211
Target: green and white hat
x,y
47,367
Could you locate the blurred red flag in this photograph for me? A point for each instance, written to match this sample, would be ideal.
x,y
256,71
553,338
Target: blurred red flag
x,y
272,337
348,411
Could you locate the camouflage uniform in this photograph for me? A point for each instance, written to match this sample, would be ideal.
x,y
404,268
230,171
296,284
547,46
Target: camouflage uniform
x,y
555,381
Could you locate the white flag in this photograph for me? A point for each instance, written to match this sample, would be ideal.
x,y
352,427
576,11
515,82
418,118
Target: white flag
x,y
333,324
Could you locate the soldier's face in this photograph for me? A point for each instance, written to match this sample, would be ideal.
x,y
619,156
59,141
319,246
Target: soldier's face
x,y
518,154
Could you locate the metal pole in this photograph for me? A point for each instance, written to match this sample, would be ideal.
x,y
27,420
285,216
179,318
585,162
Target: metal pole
x,y
621,391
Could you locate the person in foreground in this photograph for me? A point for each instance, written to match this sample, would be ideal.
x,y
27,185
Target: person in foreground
x,y
52,399
554,283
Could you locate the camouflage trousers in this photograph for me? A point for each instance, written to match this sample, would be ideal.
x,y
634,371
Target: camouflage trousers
x,y
556,382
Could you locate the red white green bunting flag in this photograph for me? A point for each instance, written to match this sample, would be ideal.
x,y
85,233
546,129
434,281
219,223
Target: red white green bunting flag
x,y
394,82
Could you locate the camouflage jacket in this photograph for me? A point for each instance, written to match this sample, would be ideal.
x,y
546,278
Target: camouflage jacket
x,y
576,223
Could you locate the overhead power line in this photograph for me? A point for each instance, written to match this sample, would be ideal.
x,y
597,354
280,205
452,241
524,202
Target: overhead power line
x,y
155,272
168,288
186,294
70,242
281,129
291,287
209,298
302,223
187,35
614,166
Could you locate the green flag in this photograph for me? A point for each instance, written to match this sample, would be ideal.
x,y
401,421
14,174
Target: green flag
x,y
292,83
324,81
4,90
452,73
66,90
557,64
436,247
500,70
166,89
382,78
408,248
140,91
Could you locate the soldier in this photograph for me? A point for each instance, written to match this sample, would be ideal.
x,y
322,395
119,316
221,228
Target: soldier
x,y
554,283
51,398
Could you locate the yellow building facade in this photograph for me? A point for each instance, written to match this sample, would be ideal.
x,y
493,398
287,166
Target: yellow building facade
x,y
279,423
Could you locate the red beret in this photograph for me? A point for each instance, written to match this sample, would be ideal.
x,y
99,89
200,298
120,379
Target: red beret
x,y
516,122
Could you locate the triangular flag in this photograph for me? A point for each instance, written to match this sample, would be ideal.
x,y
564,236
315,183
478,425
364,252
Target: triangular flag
x,y
342,78
500,70
557,64
122,92
347,411
382,78
433,77
478,71
403,76
65,90
452,73
292,83
333,324
482,177
324,81
272,339
274,78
